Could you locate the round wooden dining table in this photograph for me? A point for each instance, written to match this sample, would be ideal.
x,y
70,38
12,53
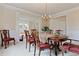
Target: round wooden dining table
x,y
57,41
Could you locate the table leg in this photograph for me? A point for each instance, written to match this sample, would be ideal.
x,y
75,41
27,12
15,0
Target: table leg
x,y
48,40
56,48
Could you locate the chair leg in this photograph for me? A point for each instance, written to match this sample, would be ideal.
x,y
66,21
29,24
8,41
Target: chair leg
x,y
29,47
26,44
5,44
34,49
2,43
14,42
65,51
50,51
8,42
62,50
62,53
39,52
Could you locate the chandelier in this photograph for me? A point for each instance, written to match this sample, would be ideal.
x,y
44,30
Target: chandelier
x,y
45,15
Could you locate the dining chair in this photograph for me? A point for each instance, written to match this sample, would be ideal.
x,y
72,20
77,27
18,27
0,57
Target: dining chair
x,y
29,39
42,46
5,35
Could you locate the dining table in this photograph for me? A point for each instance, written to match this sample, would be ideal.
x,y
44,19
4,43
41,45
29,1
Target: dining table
x,y
57,41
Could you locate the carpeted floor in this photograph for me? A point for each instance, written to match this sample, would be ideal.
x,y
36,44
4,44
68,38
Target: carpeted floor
x,y
20,50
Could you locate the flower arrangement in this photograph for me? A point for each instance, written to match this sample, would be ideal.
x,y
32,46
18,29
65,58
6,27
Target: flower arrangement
x,y
46,29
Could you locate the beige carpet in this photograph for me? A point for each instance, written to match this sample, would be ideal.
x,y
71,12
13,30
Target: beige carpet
x,y
20,50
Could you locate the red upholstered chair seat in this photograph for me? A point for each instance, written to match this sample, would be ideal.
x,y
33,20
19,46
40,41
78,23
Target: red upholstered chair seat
x,y
44,45
71,47
66,46
74,48
7,39
31,39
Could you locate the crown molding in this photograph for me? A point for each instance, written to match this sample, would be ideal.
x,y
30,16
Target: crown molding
x,y
22,10
66,12
62,13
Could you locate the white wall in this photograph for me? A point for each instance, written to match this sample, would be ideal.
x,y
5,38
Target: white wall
x,y
32,21
73,25
72,22
9,16
58,23
1,16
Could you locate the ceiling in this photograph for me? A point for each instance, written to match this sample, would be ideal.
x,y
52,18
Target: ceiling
x,y
39,8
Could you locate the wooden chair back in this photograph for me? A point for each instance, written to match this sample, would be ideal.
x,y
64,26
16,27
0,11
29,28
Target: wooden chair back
x,y
35,34
26,32
5,34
